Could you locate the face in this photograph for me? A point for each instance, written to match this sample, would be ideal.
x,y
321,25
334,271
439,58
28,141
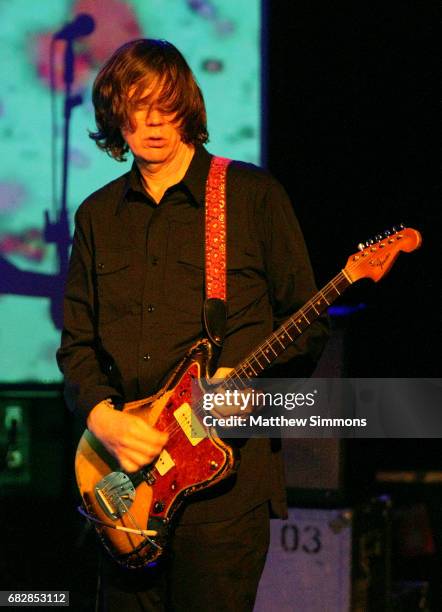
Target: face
x,y
154,137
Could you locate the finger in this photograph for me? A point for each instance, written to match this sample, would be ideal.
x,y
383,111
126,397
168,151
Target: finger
x,y
141,431
136,460
129,466
139,443
143,448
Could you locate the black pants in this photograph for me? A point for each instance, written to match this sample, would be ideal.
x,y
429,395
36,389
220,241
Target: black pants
x,y
212,567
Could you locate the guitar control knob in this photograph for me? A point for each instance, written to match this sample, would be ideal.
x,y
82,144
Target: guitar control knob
x,y
158,507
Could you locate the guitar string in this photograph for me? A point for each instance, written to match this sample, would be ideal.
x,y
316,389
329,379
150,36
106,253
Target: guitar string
x,y
120,502
176,428
331,284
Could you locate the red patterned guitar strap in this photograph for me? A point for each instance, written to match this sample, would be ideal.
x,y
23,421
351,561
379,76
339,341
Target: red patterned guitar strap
x,y
216,251
215,307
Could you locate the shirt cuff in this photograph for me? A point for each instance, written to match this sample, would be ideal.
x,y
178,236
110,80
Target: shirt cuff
x,y
82,404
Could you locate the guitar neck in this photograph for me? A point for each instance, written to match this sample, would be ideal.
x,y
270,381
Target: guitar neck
x,y
275,344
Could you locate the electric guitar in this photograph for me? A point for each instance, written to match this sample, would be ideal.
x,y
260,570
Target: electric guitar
x,y
133,512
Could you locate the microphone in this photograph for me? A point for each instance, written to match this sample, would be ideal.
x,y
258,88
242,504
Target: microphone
x,y
82,25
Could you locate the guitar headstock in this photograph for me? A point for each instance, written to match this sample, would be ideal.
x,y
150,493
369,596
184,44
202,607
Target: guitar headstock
x,y
376,256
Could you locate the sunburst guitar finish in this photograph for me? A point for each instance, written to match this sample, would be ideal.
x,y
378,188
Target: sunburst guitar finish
x,y
193,459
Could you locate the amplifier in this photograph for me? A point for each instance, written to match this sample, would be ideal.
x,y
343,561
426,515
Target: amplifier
x,y
334,560
35,444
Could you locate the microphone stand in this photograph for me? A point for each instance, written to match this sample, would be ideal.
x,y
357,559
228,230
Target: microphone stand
x,y
58,231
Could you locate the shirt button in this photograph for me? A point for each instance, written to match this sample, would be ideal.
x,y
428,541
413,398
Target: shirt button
x,y
146,357
150,308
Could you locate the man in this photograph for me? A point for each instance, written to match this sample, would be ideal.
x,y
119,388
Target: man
x,y
133,306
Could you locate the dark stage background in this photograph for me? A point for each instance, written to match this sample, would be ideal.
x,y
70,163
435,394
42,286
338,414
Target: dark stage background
x,y
352,136
350,130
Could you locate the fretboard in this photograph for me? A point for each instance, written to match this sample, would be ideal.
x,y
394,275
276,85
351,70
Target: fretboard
x,y
275,344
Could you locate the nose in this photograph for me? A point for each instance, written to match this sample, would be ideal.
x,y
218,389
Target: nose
x,y
154,117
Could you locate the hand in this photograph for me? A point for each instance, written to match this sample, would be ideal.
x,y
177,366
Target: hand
x,y
237,408
127,437
220,374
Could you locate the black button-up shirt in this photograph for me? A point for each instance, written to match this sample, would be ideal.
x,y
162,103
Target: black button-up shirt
x,y
135,288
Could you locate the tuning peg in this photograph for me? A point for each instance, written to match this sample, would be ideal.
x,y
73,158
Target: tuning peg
x,y
361,246
387,233
401,226
378,237
395,229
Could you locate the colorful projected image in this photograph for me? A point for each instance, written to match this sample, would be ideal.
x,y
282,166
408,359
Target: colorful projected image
x,y
222,46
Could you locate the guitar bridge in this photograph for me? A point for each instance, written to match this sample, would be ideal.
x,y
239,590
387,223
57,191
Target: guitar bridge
x,y
115,493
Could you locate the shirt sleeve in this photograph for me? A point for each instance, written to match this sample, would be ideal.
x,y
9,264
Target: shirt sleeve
x,y
84,369
290,280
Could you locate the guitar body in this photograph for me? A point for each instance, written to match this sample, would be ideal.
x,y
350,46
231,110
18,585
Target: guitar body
x,y
150,498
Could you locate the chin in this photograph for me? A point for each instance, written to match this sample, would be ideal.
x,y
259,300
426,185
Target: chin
x,y
153,156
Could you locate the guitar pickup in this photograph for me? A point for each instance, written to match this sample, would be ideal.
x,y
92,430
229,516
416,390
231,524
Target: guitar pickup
x,y
190,424
164,463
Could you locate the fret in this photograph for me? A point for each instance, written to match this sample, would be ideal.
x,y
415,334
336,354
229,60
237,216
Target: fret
x,y
340,283
283,345
249,366
298,329
294,330
262,354
344,283
322,294
287,332
240,373
232,381
242,383
311,311
271,348
332,297
275,344
334,286
254,356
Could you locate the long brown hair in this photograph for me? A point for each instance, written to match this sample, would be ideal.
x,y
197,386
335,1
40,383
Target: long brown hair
x,y
119,87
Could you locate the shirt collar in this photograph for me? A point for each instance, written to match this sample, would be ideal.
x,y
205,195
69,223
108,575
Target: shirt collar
x,y
194,180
